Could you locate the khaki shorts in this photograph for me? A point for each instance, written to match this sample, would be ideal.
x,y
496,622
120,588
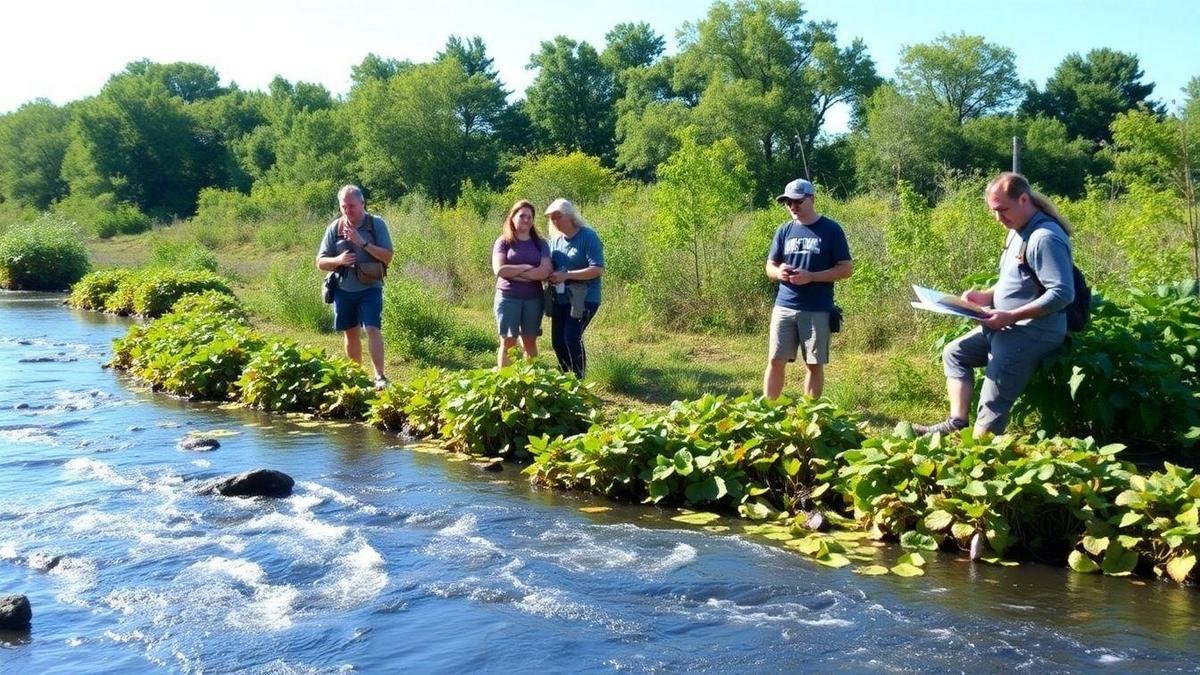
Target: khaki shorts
x,y
792,329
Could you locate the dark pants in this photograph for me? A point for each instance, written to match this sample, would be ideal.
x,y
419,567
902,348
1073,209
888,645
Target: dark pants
x,y
566,334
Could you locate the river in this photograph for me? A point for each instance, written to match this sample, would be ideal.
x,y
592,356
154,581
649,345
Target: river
x,y
386,559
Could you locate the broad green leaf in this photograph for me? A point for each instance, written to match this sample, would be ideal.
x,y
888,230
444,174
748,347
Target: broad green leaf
x,y
1082,563
938,520
683,462
907,570
918,541
1179,567
1077,377
913,558
698,518
1118,561
962,530
1129,518
975,489
871,570
1095,545
834,560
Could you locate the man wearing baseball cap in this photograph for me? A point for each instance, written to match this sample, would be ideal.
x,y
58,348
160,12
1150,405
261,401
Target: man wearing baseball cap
x,y
808,254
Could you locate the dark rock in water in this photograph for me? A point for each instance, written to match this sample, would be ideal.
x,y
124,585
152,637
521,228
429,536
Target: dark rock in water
x,y
815,521
21,406
135,428
257,483
495,467
198,444
15,612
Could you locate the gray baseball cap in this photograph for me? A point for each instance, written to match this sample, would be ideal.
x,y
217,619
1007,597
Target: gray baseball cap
x,y
797,189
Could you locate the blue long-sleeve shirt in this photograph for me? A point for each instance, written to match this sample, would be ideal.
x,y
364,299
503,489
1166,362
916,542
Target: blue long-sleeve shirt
x,y
1048,254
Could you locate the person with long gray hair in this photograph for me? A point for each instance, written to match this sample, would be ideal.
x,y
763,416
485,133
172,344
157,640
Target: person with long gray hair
x,y
1025,318
358,247
577,256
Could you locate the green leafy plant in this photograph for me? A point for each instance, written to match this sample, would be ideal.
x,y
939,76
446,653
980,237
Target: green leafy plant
x,y
493,412
46,255
285,376
94,289
1130,377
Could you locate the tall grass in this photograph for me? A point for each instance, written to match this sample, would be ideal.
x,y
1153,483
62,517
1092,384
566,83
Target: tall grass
x,y
293,297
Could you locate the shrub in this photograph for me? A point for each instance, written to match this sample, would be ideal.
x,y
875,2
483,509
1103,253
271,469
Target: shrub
x,y
750,454
285,376
154,291
212,302
1131,376
575,176
494,411
94,289
195,354
103,215
46,255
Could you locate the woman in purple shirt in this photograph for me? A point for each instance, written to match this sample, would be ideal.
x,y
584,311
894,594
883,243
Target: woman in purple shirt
x,y
520,260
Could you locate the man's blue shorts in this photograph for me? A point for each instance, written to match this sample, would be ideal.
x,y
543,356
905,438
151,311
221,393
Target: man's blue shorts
x,y
357,308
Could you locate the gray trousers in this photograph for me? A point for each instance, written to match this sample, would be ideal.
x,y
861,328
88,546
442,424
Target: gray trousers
x,y
1010,356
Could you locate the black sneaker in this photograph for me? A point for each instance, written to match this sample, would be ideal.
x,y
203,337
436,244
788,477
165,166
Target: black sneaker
x,y
946,426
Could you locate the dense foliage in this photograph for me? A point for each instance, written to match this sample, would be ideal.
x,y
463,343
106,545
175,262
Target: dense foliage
x,y
1130,377
148,292
46,255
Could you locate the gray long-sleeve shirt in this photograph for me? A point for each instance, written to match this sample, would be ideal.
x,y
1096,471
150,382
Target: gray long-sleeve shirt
x,y
1048,254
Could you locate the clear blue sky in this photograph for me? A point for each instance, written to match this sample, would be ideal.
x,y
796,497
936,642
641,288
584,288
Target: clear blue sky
x,y
66,50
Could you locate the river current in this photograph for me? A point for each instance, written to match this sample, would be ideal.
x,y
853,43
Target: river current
x,y
386,559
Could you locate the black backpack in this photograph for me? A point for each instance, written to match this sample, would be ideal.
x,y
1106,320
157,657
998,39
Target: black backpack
x,y
1080,309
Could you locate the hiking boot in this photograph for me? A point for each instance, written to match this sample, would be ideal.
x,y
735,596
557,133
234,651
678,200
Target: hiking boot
x,y
381,383
947,426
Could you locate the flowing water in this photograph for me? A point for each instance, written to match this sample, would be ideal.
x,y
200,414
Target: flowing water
x,y
386,559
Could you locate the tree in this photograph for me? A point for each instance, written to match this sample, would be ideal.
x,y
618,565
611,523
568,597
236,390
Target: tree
x,y
571,101
374,67
631,45
481,108
904,139
189,81
699,190
407,127
1164,153
136,141
1087,93
963,73
770,78
33,141
1049,158
648,115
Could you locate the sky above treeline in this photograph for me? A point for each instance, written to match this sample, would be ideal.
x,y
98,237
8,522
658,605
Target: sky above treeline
x,y
62,50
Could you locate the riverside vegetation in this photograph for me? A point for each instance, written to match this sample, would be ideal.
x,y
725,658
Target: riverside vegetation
x,y
775,463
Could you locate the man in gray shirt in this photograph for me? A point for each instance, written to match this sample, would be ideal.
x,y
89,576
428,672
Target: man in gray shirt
x,y
1025,321
358,247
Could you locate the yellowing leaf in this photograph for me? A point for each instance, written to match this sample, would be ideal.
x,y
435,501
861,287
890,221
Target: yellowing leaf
x,y
871,570
595,509
700,518
907,570
834,560
1180,566
1082,563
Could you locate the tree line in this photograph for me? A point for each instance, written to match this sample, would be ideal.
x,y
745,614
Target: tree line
x,y
760,76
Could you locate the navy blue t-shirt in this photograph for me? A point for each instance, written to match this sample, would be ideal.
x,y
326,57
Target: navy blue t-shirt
x,y
813,248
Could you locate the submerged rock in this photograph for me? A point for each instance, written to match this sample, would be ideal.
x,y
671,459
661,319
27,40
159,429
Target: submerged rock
x,y
15,612
198,444
44,562
257,483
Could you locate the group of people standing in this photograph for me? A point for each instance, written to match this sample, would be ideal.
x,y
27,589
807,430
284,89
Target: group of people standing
x,y
560,278
557,277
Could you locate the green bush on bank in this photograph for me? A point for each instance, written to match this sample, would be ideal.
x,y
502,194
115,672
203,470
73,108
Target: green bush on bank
x,y
94,289
103,215
196,354
751,455
420,324
45,255
1131,376
285,376
148,292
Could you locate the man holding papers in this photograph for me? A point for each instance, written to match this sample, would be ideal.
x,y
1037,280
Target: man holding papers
x,y
808,254
1023,320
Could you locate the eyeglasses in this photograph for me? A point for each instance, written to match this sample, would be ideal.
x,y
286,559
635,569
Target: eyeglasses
x,y
797,202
